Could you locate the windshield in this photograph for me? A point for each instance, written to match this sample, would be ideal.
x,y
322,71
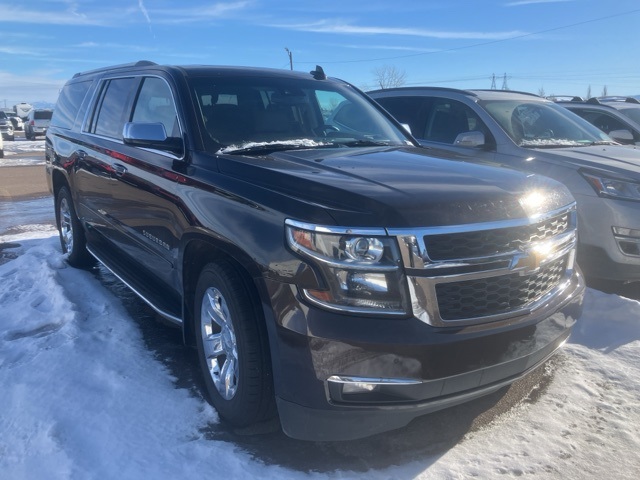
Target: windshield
x,y
542,124
250,112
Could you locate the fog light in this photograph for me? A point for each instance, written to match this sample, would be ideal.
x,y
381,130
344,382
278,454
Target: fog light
x,y
358,387
626,232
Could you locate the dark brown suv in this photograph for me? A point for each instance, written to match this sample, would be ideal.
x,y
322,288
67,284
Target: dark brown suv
x,y
333,273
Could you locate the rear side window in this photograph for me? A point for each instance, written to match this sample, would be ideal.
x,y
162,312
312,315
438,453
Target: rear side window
x,y
68,104
411,111
109,119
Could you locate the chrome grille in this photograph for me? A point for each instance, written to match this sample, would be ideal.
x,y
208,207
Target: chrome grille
x,y
497,295
486,272
484,243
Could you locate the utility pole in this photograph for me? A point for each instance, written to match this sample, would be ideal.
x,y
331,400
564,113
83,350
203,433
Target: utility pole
x,y
504,83
493,82
290,57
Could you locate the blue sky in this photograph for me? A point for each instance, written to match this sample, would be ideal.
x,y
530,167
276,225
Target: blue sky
x,y
558,46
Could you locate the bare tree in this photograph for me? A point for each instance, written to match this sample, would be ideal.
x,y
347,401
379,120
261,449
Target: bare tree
x,y
541,92
589,92
389,77
604,91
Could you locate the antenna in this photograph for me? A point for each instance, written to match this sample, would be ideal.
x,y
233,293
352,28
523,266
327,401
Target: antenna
x,y
318,73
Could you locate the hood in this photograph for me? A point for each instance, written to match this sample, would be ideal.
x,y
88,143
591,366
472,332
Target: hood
x,y
395,187
617,159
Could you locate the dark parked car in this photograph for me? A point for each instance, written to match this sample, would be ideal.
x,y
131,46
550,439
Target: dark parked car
x,y
529,133
620,119
337,275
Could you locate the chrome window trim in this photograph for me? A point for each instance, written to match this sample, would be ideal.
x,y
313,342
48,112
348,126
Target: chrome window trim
x,y
92,110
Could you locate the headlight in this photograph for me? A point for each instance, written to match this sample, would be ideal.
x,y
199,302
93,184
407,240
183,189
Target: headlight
x,y
360,268
613,187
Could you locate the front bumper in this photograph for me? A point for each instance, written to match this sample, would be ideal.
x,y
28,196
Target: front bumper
x,y
601,253
341,377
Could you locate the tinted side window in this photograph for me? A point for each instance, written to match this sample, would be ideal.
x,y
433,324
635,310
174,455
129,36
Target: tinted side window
x,y
603,121
68,104
110,117
448,119
408,110
155,105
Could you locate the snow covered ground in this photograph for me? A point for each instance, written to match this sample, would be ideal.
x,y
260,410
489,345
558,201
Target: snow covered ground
x,y
83,396
23,152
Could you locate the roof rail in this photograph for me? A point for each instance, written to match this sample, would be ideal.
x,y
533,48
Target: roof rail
x,y
594,101
565,98
418,87
619,99
139,63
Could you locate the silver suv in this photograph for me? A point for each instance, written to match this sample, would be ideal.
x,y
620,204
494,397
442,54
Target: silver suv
x,y
620,119
527,132
37,123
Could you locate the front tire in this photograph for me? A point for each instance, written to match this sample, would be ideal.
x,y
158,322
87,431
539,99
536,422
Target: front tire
x,y
232,347
72,239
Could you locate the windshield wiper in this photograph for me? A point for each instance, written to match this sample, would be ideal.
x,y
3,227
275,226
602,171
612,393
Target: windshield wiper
x,y
600,142
368,143
264,149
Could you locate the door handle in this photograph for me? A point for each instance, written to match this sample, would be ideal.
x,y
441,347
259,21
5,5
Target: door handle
x,y
120,170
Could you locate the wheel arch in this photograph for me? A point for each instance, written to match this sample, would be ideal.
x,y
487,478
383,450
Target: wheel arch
x,y
58,180
199,250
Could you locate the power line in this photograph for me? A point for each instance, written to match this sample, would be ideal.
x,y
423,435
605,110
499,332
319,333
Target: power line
x,y
491,42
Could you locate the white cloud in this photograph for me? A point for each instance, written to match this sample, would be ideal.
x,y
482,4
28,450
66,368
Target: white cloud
x,y
39,16
198,14
340,27
70,14
381,47
144,11
29,86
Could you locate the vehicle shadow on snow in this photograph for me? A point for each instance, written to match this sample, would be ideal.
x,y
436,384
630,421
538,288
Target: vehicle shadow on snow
x,y
424,439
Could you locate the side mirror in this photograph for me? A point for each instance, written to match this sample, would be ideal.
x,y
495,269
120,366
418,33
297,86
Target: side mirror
x,y
150,135
621,136
470,139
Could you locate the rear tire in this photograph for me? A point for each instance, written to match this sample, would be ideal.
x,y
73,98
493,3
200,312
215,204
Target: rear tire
x,y
232,347
72,239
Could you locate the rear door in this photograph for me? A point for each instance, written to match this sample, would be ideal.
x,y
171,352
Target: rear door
x,y
135,187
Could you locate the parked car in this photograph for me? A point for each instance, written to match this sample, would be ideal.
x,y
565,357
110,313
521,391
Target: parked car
x,y
1,147
526,132
16,121
340,274
618,119
37,123
6,127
